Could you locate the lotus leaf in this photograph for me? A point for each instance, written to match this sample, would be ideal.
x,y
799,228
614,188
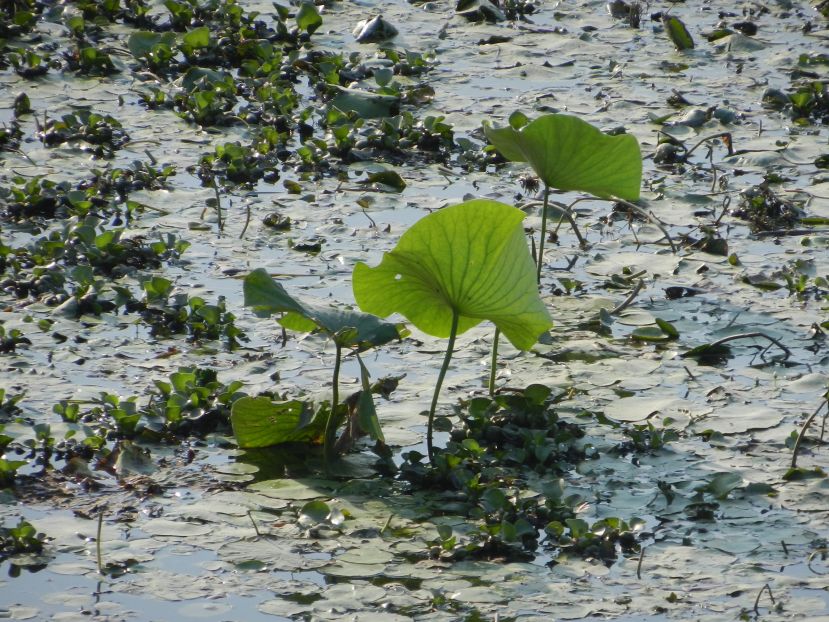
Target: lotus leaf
x,y
570,154
470,259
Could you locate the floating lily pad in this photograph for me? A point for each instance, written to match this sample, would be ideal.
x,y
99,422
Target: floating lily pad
x,y
293,489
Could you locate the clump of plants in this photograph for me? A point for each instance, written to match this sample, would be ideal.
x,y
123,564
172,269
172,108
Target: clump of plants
x,y
765,211
20,539
806,103
168,314
192,402
262,421
102,133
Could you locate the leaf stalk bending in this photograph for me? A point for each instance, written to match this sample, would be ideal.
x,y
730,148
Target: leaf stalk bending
x,y
453,331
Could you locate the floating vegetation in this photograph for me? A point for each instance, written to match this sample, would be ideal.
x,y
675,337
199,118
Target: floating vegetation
x,y
172,171
765,211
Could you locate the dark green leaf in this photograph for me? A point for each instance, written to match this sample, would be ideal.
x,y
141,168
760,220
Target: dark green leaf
x,y
678,33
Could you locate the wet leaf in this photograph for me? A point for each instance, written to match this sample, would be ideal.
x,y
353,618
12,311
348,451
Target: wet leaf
x,y
142,42
385,180
308,17
723,483
709,354
313,513
366,411
649,333
366,105
570,154
471,257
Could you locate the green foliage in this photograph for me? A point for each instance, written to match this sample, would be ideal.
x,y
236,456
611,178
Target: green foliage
x,y
678,33
267,297
193,401
570,154
348,329
262,422
20,539
103,133
308,17
93,61
470,259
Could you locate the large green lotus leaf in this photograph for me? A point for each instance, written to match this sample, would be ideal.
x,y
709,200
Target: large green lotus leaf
x,y
259,422
266,296
570,154
471,257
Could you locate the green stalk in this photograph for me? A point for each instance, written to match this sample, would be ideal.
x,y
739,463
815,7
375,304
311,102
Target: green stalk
x,y
493,363
331,424
543,231
449,348
98,550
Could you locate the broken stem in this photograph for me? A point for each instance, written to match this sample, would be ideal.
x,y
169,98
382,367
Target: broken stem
x,y
725,340
98,551
802,433
629,300
767,588
651,217
727,142
218,207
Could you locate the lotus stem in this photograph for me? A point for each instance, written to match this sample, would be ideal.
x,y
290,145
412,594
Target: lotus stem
x,y
98,549
331,425
494,361
651,217
218,207
543,231
802,433
453,331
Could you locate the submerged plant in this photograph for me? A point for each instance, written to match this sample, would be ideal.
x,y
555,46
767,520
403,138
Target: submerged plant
x,y
454,269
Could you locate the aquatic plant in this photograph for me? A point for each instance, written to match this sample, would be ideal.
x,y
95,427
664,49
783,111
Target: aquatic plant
x,y
349,330
454,269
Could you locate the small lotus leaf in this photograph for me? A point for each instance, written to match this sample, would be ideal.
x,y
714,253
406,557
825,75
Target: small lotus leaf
x,y
570,154
678,33
471,258
266,296
259,422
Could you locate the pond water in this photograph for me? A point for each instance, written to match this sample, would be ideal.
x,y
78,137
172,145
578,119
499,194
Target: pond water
x,y
196,528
